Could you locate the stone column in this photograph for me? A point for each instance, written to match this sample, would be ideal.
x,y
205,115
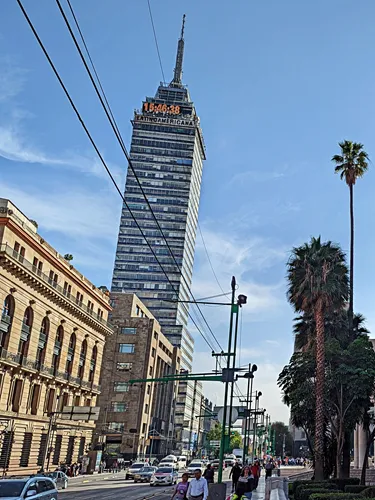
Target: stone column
x,y
356,447
362,441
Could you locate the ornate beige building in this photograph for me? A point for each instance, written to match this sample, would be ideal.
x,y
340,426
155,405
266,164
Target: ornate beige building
x,y
52,333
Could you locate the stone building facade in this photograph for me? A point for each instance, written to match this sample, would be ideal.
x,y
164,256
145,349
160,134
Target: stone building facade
x,y
53,329
135,417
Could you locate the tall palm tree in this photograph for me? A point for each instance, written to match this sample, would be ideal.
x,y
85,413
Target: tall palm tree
x,y
318,283
351,164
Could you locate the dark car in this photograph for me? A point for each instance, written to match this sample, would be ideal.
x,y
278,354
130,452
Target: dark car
x,y
134,469
31,488
144,475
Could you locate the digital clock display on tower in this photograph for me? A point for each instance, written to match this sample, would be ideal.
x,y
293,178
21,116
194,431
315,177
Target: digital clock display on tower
x,y
153,107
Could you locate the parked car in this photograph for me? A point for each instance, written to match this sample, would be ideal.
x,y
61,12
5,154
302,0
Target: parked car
x,y
229,462
60,479
164,475
144,475
134,469
193,466
32,488
215,464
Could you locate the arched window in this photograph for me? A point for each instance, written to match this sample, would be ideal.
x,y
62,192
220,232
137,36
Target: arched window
x,y
43,338
70,357
93,363
82,359
6,321
57,348
26,326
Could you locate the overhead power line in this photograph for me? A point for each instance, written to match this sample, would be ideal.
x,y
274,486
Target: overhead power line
x,y
156,39
98,152
117,133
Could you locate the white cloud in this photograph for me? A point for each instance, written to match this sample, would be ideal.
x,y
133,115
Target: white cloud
x,y
76,214
14,147
12,79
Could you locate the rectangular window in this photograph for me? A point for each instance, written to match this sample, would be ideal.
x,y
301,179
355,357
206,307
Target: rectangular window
x,y
137,310
121,387
16,398
126,348
67,288
35,399
118,407
128,331
155,336
79,298
116,426
150,371
148,389
146,408
124,367
77,400
153,352
144,427
50,401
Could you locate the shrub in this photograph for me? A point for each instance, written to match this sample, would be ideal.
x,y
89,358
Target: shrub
x,y
335,496
306,493
354,488
368,491
299,491
306,482
290,490
341,483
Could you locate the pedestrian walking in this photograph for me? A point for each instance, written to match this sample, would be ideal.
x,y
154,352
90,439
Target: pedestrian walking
x,y
198,488
269,468
209,474
180,492
235,474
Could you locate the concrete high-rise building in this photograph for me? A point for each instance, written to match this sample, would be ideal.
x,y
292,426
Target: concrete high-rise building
x,y
167,153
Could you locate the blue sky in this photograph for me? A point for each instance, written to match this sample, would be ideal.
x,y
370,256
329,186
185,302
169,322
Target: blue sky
x,y
276,84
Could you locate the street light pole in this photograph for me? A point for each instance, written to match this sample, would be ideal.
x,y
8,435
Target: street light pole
x,y
250,378
222,443
256,407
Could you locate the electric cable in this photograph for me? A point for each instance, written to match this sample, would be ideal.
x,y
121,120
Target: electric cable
x,y
97,150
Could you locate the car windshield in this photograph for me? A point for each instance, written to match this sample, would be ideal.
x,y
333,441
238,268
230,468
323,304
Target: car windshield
x,y
11,488
147,469
52,474
137,466
165,469
197,465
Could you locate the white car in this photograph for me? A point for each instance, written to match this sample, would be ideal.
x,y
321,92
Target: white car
x,y
134,469
193,466
34,488
164,475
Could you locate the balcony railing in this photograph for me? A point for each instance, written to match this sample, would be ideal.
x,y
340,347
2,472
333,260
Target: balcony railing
x,y
5,318
9,356
31,364
6,249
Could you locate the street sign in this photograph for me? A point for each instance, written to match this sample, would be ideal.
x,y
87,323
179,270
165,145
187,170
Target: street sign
x,y
215,444
88,413
220,416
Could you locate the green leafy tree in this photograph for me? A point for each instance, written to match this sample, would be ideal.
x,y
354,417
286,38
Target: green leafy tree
x,y
235,440
351,164
281,430
214,434
317,283
68,257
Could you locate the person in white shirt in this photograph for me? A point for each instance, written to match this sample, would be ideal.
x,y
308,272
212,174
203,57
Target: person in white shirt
x,y
198,488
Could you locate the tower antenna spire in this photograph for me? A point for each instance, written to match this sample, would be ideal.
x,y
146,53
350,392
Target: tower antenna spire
x,y
177,77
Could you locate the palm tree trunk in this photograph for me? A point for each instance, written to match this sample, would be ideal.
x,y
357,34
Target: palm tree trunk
x,y
319,415
351,275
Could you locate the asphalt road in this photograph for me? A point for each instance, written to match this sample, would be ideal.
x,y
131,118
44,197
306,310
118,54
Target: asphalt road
x,y
113,487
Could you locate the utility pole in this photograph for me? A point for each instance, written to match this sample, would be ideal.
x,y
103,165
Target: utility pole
x,y
284,435
250,378
256,406
222,443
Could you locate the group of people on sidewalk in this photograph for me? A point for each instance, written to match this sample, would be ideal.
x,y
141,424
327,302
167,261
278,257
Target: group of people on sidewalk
x,y
244,480
197,488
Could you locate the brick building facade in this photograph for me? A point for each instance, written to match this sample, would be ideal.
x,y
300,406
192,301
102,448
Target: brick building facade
x,y
52,332
133,416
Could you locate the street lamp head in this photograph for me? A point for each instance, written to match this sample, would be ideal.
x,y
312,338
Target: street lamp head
x,y
254,368
242,300
259,394
249,375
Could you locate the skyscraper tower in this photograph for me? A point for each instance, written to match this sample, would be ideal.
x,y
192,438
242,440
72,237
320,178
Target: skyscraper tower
x,y
167,153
